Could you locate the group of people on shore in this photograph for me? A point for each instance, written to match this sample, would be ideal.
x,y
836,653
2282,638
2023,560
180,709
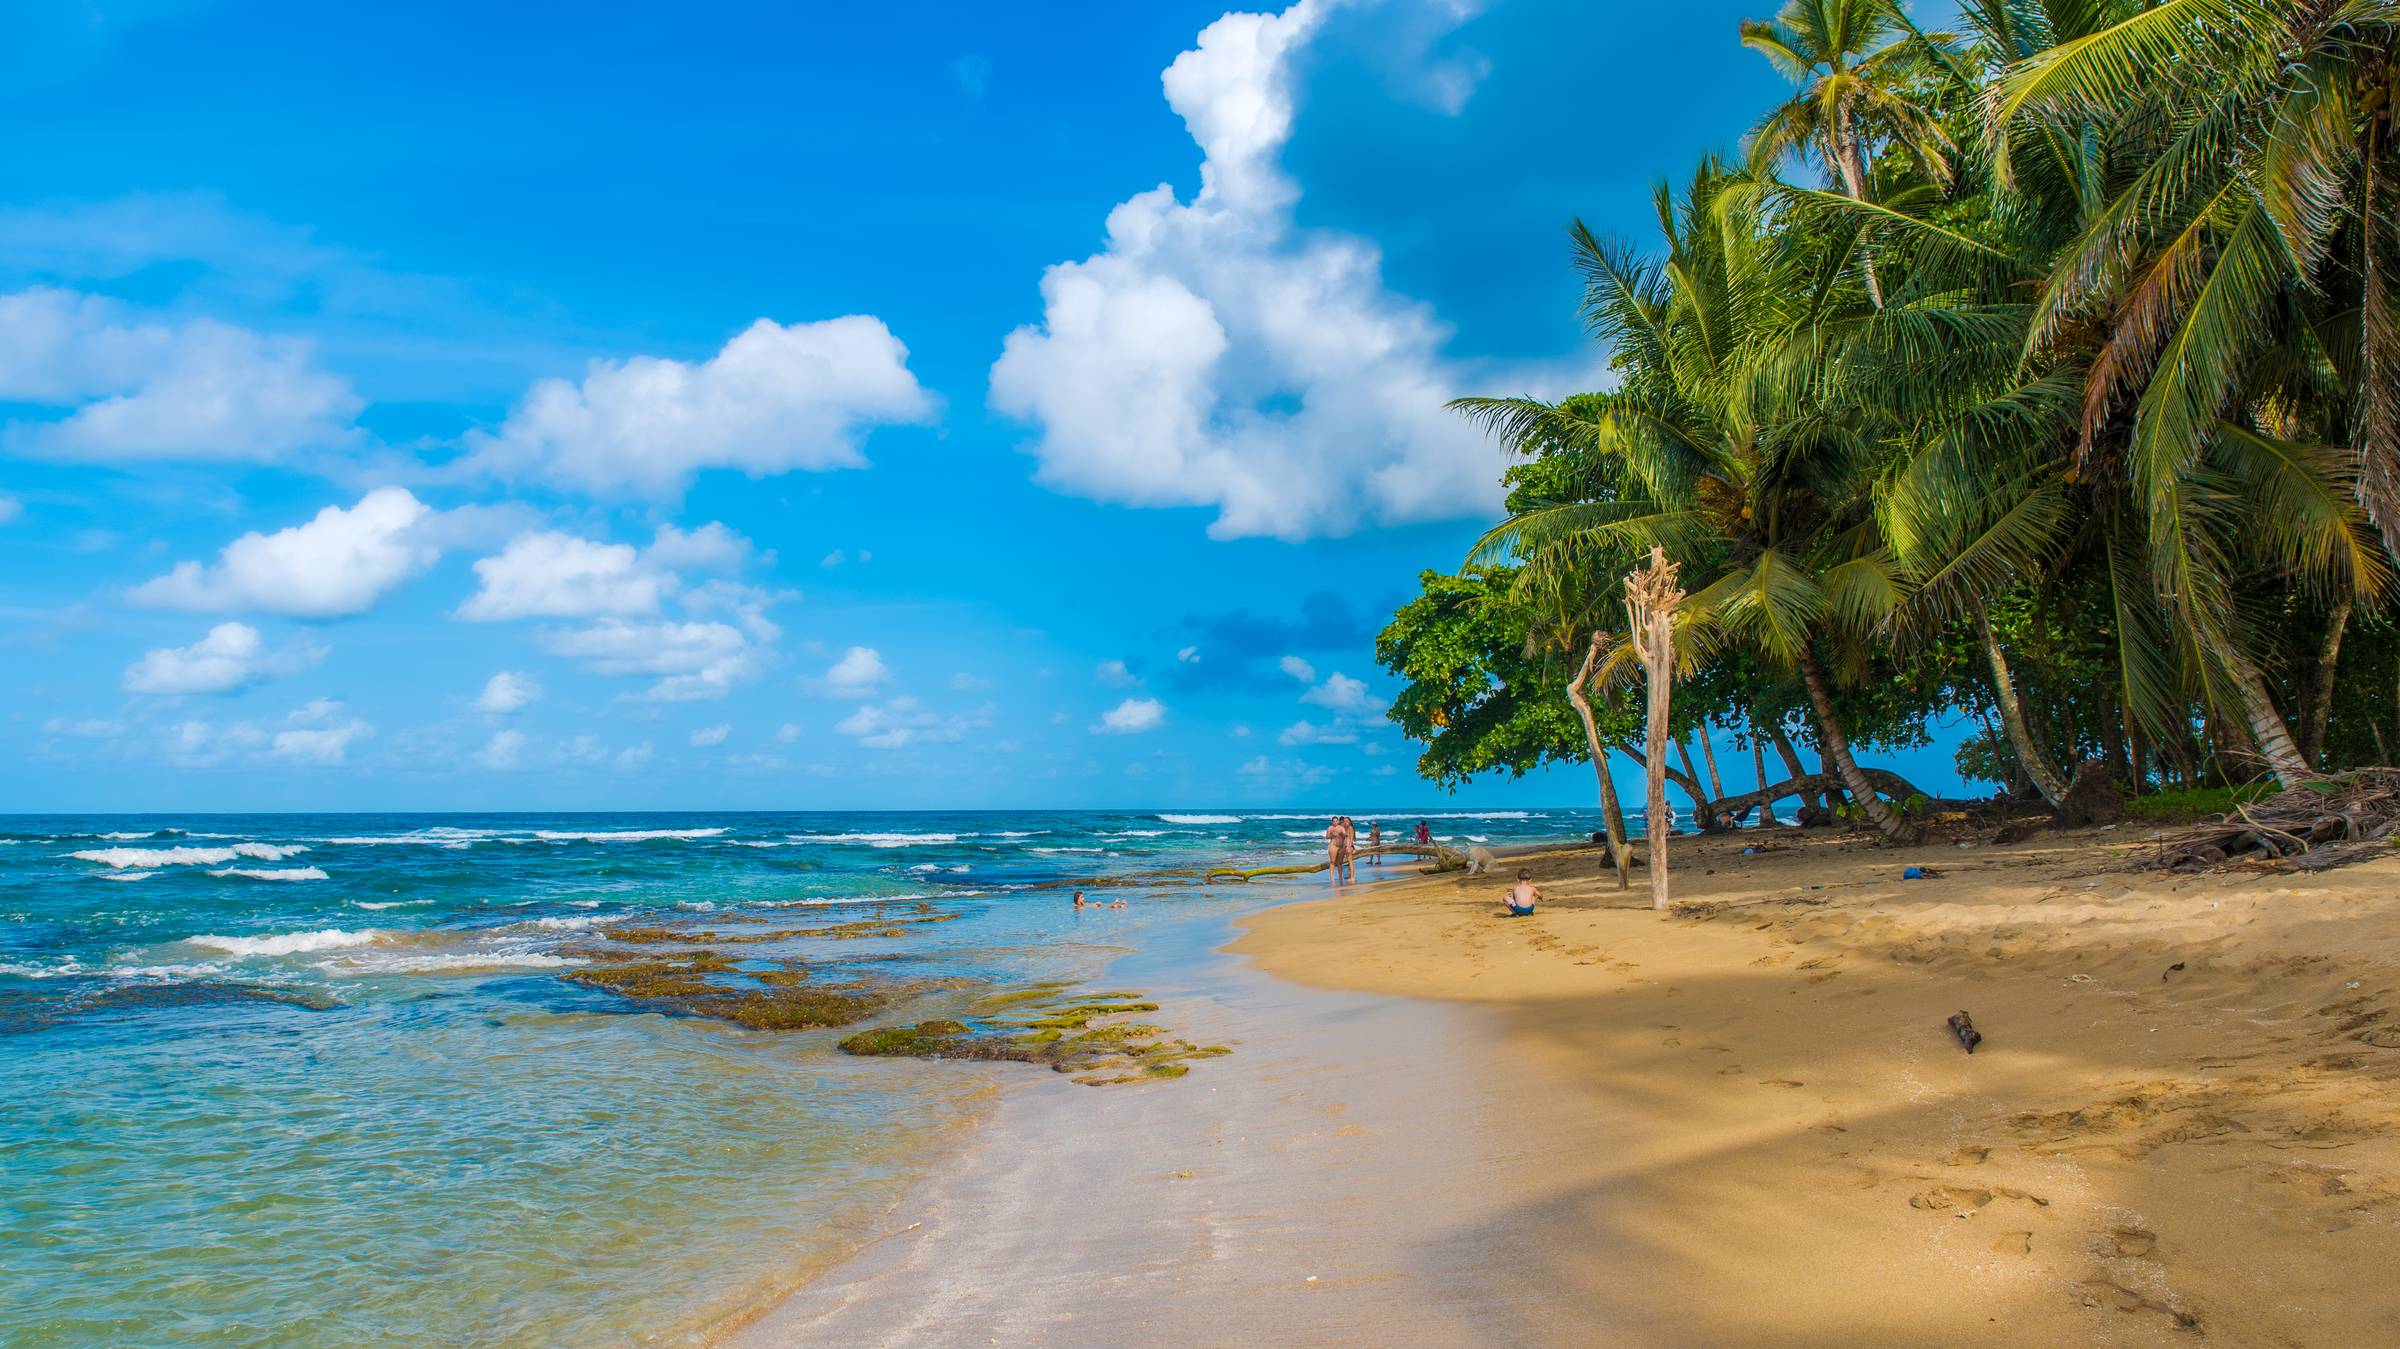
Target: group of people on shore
x,y
1341,846
1341,858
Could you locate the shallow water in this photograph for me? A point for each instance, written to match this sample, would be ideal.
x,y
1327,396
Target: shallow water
x,y
315,1080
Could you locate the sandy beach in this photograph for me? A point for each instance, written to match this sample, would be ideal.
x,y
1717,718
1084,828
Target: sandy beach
x,y
1742,1121
1757,1130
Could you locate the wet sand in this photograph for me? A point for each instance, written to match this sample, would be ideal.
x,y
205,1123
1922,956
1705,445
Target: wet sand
x,y
1337,1180
1738,1122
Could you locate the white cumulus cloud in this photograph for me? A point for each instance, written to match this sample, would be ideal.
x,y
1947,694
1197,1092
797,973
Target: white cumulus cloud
x,y
320,733
1132,716
776,398
555,575
691,661
1342,694
502,751
232,656
708,737
905,721
1298,669
135,389
340,562
507,691
859,671
1113,674
1216,354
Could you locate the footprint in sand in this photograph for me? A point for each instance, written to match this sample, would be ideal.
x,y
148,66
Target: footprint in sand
x,y
1780,1082
1972,1154
1949,1198
2133,1241
2013,1243
2102,1293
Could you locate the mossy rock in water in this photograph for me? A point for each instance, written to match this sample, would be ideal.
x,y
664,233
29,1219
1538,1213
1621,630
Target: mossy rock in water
x,y
1018,997
1134,1048
1081,1015
779,1003
790,1008
646,936
924,1040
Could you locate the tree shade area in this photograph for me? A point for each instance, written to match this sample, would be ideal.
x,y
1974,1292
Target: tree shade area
x,y
2046,371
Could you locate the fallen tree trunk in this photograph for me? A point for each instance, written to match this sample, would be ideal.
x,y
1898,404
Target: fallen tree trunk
x,y
1887,784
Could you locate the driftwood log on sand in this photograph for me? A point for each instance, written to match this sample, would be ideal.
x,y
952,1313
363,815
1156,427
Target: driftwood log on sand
x,y
2312,826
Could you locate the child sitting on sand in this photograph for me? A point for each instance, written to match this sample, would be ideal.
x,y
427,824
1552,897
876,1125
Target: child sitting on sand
x,y
1521,896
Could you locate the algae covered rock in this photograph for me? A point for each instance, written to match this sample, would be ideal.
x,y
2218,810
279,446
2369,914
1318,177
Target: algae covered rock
x,y
1070,1034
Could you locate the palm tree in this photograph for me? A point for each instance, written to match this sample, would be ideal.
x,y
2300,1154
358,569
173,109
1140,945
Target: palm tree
x,y
1717,447
1857,65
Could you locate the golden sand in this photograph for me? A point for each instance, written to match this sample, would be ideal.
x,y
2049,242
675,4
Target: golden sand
x,y
1745,1122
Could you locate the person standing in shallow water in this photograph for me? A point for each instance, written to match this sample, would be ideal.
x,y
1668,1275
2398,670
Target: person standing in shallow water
x,y
1375,839
1333,850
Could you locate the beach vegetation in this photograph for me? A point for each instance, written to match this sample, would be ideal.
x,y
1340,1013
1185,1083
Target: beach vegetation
x,y
2045,373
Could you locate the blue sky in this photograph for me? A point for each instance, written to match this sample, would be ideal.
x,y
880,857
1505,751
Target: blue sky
x,y
468,406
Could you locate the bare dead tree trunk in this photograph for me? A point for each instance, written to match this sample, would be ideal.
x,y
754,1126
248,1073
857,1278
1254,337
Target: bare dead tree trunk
x,y
1620,852
1708,752
1650,597
2320,694
2037,766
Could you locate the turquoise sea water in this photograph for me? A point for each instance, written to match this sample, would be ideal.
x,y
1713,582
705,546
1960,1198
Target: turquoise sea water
x,y
315,1080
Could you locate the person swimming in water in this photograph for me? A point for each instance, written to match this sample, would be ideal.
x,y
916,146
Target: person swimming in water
x,y
1522,896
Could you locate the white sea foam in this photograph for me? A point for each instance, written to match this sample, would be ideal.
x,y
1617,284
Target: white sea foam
x,y
390,903
426,840
581,920
1058,850
273,873
1201,819
125,858
289,943
754,843
127,875
1140,833
621,835
879,840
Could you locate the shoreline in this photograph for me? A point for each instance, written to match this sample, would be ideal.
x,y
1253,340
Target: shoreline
x,y
1324,1181
1740,1121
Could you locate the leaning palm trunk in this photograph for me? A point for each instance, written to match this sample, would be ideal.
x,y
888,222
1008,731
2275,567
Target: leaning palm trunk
x,y
2038,770
2268,731
1620,852
1837,753
1758,761
1651,596
2320,698
1792,767
1708,751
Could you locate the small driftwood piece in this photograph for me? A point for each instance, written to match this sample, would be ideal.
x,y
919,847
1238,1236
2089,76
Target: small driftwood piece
x,y
2311,827
1963,1026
